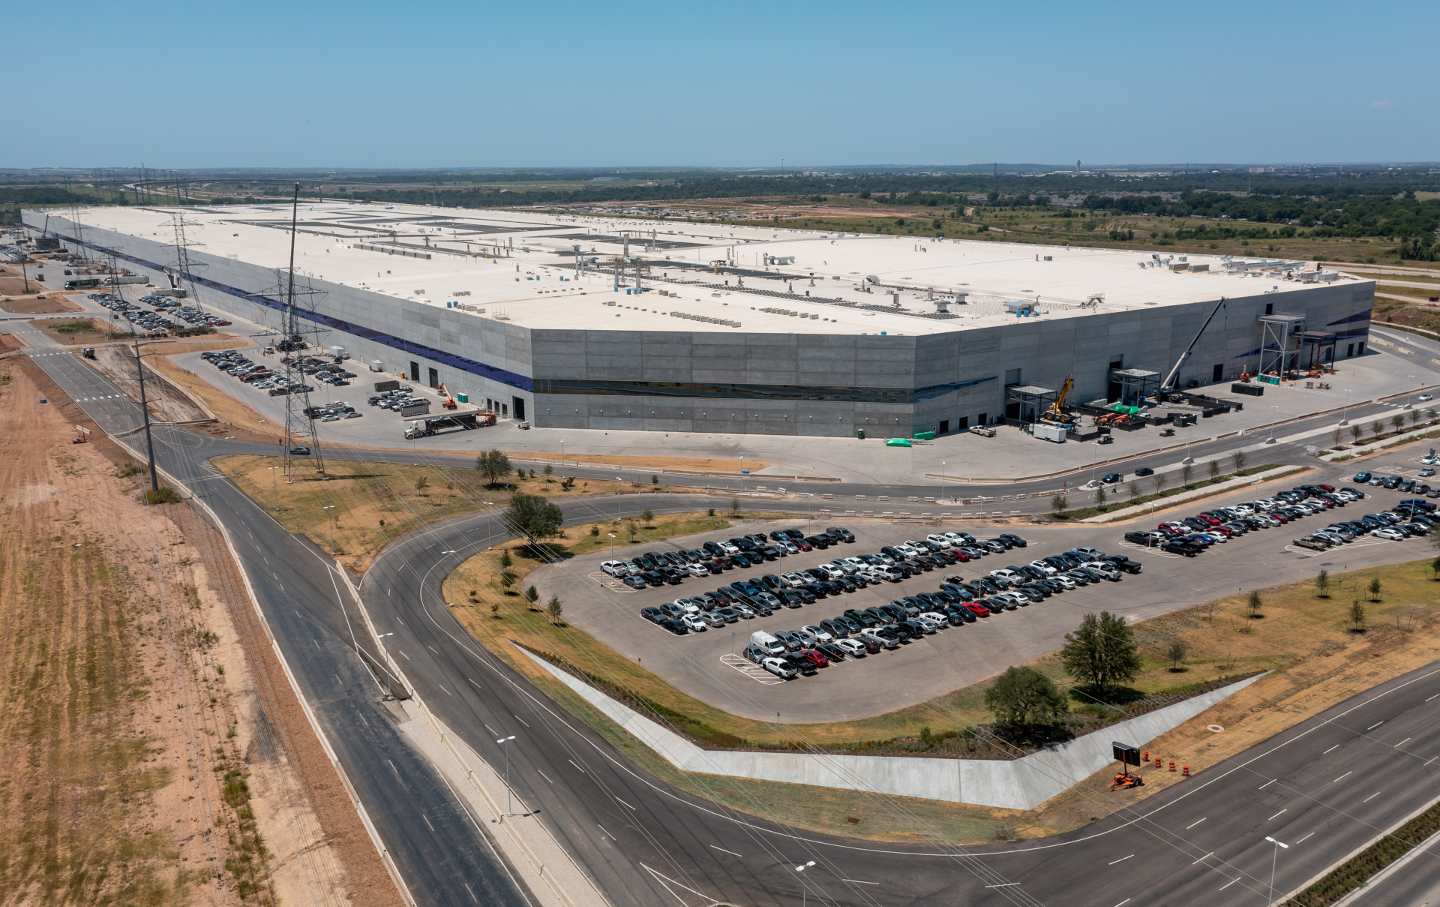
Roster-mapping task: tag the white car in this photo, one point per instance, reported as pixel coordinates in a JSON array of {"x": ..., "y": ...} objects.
[
  {"x": 1044, "y": 568},
  {"x": 906, "y": 549},
  {"x": 794, "y": 580},
  {"x": 729, "y": 548},
  {"x": 696, "y": 570},
  {"x": 1385, "y": 532},
  {"x": 820, "y": 633},
  {"x": 874, "y": 633},
  {"x": 954, "y": 538},
  {"x": 853, "y": 647},
  {"x": 616, "y": 569},
  {"x": 690, "y": 605},
  {"x": 695, "y": 624},
  {"x": 940, "y": 539},
  {"x": 1064, "y": 581},
  {"x": 831, "y": 571},
  {"x": 778, "y": 668},
  {"x": 939, "y": 620}
]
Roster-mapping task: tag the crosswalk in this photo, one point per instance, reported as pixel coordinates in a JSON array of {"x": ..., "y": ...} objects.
[{"x": 101, "y": 397}]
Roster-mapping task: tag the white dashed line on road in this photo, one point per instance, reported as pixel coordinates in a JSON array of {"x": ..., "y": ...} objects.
[
  {"x": 1307, "y": 837},
  {"x": 723, "y": 850},
  {"x": 1403, "y": 742},
  {"x": 1373, "y": 726},
  {"x": 427, "y": 823},
  {"x": 545, "y": 776},
  {"x": 1204, "y": 858},
  {"x": 1228, "y": 884},
  {"x": 1342, "y": 777},
  {"x": 1121, "y": 860},
  {"x": 1372, "y": 797},
  {"x": 1196, "y": 822},
  {"x": 1267, "y": 783},
  {"x": 577, "y": 766},
  {"x": 1278, "y": 815},
  {"x": 1331, "y": 750}
]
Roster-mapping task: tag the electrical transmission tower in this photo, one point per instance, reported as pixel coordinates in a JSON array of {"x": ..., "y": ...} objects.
[
  {"x": 184, "y": 276},
  {"x": 299, "y": 421}
]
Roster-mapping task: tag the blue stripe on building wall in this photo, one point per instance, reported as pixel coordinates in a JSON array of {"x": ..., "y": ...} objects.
[{"x": 501, "y": 375}]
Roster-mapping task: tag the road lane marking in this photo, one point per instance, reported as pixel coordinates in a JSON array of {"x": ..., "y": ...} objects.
[
  {"x": 521, "y": 720},
  {"x": 1121, "y": 860},
  {"x": 393, "y": 768},
  {"x": 1229, "y": 883},
  {"x": 1373, "y": 726},
  {"x": 545, "y": 776},
  {"x": 1306, "y": 838},
  {"x": 863, "y": 882},
  {"x": 402, "y": 654},
  {"x": 427, "y": 823},
  {"x": 1124, "y": 902},
  {"x": 1372, "y": 797},
  {"x": 1196, "y": 822},
  {"x": 1430, "y": 760},
  {"x": 1279, "y": 814},
  {"x": 1428, "y": 698},
  {"x": 723, "y": 850},
  {"x": 577, "y": 766},
  {"x": 1204, "y": 858},
  {"x": 1331, "y": 750},
  {"x": 606, "y": 833},
  {"x": 1267, "y": 783},
  {"x": 1342, "y": 777},
  {"x": 1003, "y": 885},
  {"x": 492, "y": 731},
  {"x": 432, "y": 650},
  {"x": 624, "y": 804},
  {"x": 471, "y": 892},
  {"x": 1403, "y": 742},
  {"x": 446, "y": 691}
]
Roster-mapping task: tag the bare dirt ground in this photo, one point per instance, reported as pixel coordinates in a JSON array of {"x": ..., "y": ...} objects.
[
  {"x": 35, "y": 305},
  {"x": 90, "y": 331},
  {"x": 9, "y": 343},
  {"x": 151, "y": 755},
  {"x": 235, "y": 414}
]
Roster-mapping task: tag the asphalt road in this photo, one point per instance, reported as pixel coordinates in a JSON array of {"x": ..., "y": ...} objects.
[{"x": 1323, "y": 788}]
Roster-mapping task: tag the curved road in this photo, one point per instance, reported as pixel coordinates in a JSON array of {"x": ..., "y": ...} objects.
[{"x": 645, "y": 843}]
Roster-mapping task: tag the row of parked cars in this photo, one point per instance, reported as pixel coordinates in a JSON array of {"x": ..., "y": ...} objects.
[
  {"x": 326, "y": 371},
  {"x": 190, "y": 314},
  {"x": 660, "y": 568},
  {"x": 146, "y": 321},
  {"x": 1409, "y": 519},
  {"x": 1402, "y": 484},
  {"x": 260, "y": 377},
  {"x": 395, "y": 399},
  {"x": 1192, "y": 535},
  {"x": 764, "y": 595},
  {"x": 859, "y": 633}
]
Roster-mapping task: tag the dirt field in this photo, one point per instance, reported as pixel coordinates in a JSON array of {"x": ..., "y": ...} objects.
[
  {"x": 226, "y": 408},
  {"x": 77, "y": 332},
  {"x": 9, "y": 343},
  {"x": 37, "y": 305},
  {"x": 150, "y": 756}
]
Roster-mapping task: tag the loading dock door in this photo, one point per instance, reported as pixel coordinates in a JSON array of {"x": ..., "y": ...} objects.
[
  {"x": 414, "y": 371},
  {"x": 1217, "y": 374},
  {"x": 519, "y": 406},
  {"x": 434, "y": 377}
]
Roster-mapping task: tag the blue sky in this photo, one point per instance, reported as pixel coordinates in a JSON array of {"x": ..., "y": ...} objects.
[{"x": 620, "y": 83}]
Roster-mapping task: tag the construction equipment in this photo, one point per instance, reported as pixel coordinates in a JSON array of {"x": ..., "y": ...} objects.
[
  {"x": 88, "y": 352},
  {"x": 1056, "y": 412},
  {"x": 447, "y": 399},
  {"x": 1169, "y": 382},
  {"x": 82, "y": 435}
]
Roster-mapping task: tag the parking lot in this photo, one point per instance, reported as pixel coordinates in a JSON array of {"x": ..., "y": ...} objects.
[{"x": 710, "y": 664}]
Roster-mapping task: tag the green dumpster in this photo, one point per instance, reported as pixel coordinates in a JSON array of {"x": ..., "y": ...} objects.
[
  {"x": 924, "y": 436},
  {"x": 897, "y": 442},
  {"x": 860, "y": 433}
]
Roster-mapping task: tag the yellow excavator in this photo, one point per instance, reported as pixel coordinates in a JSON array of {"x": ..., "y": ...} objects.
[{"x": 1056, "y": 412}]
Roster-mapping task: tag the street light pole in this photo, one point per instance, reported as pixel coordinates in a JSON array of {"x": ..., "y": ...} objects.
[
  {"x": 804, "y": 892},
  {"x": 145, "y": 410},
  {"x": 502, "y": 741},
  {"x": 1274, "y": 859}
]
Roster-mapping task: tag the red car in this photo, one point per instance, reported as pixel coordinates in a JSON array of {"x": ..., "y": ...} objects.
[
  {"x": 815, "y": 658},
  {"x": 960, "y": 556},
  {"x": 977, "y": 609}
]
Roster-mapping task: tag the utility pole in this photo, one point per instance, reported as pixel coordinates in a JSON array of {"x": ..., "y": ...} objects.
[
  {"x": 25, "y": 275},
  {"x": 145, "y": 411}
]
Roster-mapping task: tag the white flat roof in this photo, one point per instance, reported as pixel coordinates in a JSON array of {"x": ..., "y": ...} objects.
[{"x": 520, "y": 266}]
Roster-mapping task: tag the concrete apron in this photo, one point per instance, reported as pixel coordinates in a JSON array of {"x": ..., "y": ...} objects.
[{"x": 1008, "y": 784}]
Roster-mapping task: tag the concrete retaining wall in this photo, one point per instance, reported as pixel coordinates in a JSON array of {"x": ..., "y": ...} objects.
[{"x": 1012, "y": 784}]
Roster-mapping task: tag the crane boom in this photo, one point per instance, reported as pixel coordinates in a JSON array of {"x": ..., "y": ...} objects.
[{"x": 1169, "y": 381}]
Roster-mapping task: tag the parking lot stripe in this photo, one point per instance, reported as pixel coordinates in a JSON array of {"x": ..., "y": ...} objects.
[{"x": 723, "y": 850}]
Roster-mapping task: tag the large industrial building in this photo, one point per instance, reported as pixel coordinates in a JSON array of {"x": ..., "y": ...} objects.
[{"x": 611, "y": 323}]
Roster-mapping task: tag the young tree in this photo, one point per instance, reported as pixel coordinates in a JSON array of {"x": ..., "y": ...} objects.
[
  {"x": 594, "y": 532},
  {"x": 1375, "y": 588},
  {"x": 654, "y": 479},
  {"x": 507, "y": 579},
  {"x": 1355, "y": 432},
  {"x": 1357, "y": 616},
  {"x": 534, "y": 517},
  {"x": 647, "y": 518},
  {"x": 494, "y": 465},
  {"x": 532, "y": 595},
  {"x": 506, "y": 561},
  {"x": 1100, "y": 496},
  {"x": 1254, "y": 604},
  {"x": 1158, "y": 480},
  {"x": 549, "y": 470},
  {"x": 1186, "y": 470},
  {"x": 1238, "y": 458},
  {"x": 554, "y": 609},
  {"x": 421, "y": 483},
  {"x": 1101, "y": 652},
  {"x": 495, "y": 608},
  {"x": 1023, "y": 696},
  {"x": 1214, "y": 470},
  {"x": 734, "y": 506},
  {"x": 1176, "y": 654},
  {"x": 1059, "y": 503},
  {"x": 1435, "y": 567},
  {"x": 1322, "y": 584}
]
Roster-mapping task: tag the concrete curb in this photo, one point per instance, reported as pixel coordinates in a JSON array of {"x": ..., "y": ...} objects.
[
  {"x": 1356, "y": 852},
  {"x": 1022, "y": 783}
]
